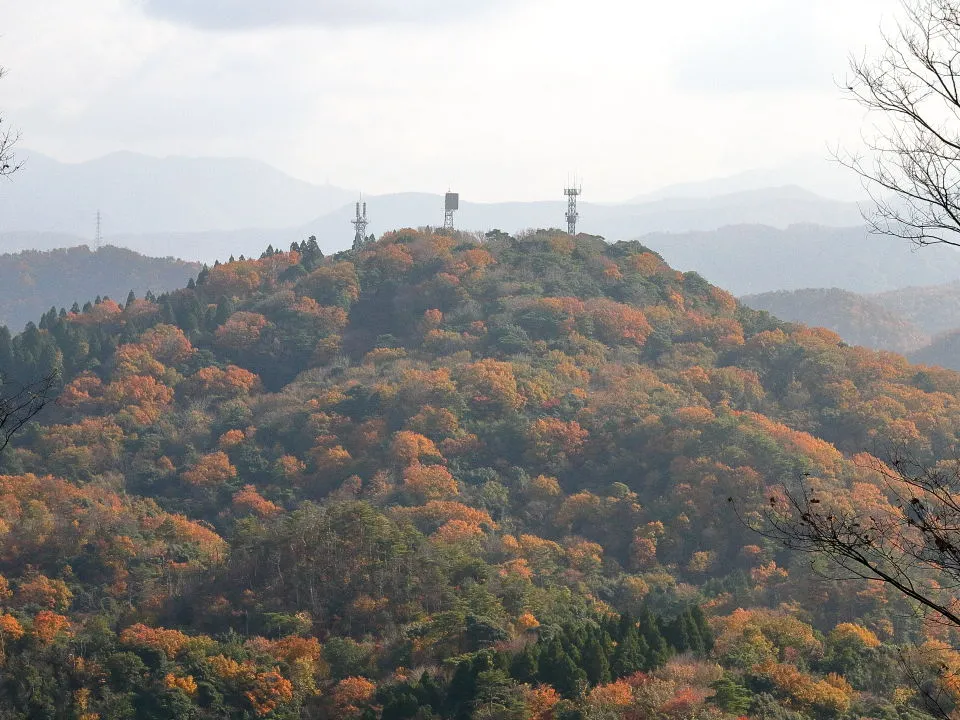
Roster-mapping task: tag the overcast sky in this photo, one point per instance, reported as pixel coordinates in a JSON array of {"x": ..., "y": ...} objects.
[{"x": 499, "y": 99}]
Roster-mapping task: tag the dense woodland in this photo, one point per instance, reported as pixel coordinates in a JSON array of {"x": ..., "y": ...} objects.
[
  {"x": 923, "y": 322},
  {"x": 449, "y": 477},
  {"x": 30, "y": 282},
  {"x": 859, "y": 319}
]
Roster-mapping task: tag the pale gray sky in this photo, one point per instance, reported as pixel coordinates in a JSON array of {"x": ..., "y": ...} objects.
[{"x": 499, "y": 99}]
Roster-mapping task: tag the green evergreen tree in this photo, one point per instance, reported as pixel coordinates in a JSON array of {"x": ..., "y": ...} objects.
[
  {"x": 595, "y": 662},
  {"x": 525, "y": 665},
  {"x": 731, "y": 697},
  {"x": 429, "y": 692},
  {"x": 703, "y": 628},
  {"x": 558, "y": 669},
  {"x": 650, "y": 629},
  {"x": 631, "y": 655},
  {"x": 6, "y": 352}
]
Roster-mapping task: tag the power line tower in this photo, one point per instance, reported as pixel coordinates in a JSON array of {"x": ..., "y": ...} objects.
[
  {"x": 451, "y": 204},
  {"x": 98, "y": 240},
  {"x": 572, "y": 193},
  {"x": 360, "y": 225}
]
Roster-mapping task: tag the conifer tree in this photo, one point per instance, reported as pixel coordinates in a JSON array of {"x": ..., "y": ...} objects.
[
  {"x": 558, "y": 669},
  {"x": 595, "y": 663},
  {"x": 632, "y": 654},
  {"x": 525, "y": 665}
]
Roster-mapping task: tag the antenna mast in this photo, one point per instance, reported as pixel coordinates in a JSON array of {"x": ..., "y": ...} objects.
[
  {"x": 98, "y": 240},
  {"x": 360, "y": 225},
  {"x": 451, "y": 203},
  {"x": 572, "y": 192}
]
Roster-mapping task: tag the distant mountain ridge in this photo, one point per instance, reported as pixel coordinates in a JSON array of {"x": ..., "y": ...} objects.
[
  {"x": 858, "y": 319},
  {"x": 776, "y": 207},
  {"x": 248, "y": 229},
  {"x": 749, "y": 259},
  {"x": 33, "y": 282},
  {"x": 138, "y": 193},
  {"x": 921, "y": 322}
]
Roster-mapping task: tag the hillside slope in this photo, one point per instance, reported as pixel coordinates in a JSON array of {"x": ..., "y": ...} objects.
[
  {"x": 858, "y": 319},
  {"x": 32, "y": 282},
  {"x": 934, "y": 308},
  {"x": 439, "y": 478},
  {"x": 943, "y": 350}
]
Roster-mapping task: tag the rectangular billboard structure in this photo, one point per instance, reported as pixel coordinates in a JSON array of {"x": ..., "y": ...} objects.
[{"x": 452, "y": 201}]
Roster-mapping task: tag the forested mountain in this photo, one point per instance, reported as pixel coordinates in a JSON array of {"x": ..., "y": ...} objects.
[
  {"x": 923, "y": 322},
  {"x": 858, "y": 319},
  {"x": 943, "y": 350},
  {"x": 750, "y": 259},
  {"x": 934, "y": 308},
  {"x": 32, "y": 282},
  {"x": 437, "y": 478}
]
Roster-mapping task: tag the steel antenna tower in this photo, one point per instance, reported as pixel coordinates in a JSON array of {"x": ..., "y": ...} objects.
[
  {"x": 360, "y": 223},
  {"x": 572, "y": 192},
  {"x": 451, "y": 203},
  {"x": 98, "y": 240}
]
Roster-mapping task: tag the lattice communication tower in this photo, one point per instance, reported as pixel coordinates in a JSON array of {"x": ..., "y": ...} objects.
[
  {"x": 98, "y": 240},
  {"x": 572, "y": 192},
  {"x": 360, "y": 225},
  {"x": 451, "y": 204}
]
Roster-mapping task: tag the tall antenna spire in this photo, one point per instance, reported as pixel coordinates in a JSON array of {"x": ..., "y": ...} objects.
[
  {"x": 98, "y": 240},
  {"x": 572, "y": 191},
  {"x": 360, "y": 225}
]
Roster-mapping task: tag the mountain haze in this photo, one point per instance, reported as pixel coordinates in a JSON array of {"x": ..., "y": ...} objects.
[
  {"x": 749, "y": 259},
  {"x": 194, "y": 207},
  {"x": 934, "y": 308},
  {"x": 140, "y": 194},
  {"x": 858, "y": 319},
  {"x": 923, "y": 322},
  {"x": 207, "y": 209},
  {"x": 775, "y": 207},
  {"x": 32, "y": 282}
]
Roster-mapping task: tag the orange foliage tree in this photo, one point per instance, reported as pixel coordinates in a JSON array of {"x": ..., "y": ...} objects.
[{"x": 211, "y": 470}]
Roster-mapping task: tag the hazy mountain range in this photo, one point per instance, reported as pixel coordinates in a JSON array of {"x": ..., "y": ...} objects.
[
  {"x": 858, "y": 319},
  {"x": 32, "y": 282},
  {"x": 922, "y": 322},
  {"x": 750, "y": 241},
  {"x": 209, "y": 208},
  {"x": 139, "y": 194},
  {"x": 750, "y": 259}
]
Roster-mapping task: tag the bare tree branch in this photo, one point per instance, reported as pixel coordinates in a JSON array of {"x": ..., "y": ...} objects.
[
  {"x": 911, "y": 89},
  {"x": 20, "y": 406},
  {"x": 8, "y": 138}
]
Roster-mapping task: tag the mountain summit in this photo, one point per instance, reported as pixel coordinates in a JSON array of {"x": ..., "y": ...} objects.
[{"x": 437, "y": 477}]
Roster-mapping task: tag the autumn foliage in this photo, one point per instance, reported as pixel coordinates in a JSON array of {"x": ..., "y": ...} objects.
[{"x": 443, "y": 476}]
